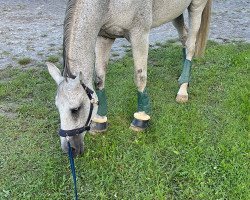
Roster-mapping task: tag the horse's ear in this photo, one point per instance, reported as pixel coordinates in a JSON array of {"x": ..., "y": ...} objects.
[{"x": 55, "y": 73}]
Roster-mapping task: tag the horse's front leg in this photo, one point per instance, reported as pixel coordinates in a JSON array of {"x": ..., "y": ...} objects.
[
  {"x": 140, "y": 43},
  {"x": 103, "y": 47}
]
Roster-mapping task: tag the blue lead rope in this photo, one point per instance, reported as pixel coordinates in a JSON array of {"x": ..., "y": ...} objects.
[
  {"x": 73, "y": 170},
  {"x": 74, "y": 132}
]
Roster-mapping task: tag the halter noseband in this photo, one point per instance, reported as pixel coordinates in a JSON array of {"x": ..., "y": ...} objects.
[{"x": 86, "y": 127}]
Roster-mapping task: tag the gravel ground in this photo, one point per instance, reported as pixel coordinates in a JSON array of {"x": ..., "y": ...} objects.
[{"x": 33, "y": 28}]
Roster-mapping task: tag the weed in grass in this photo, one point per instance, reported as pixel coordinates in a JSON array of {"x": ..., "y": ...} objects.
[
  {"x": 128, "y": 50},
  {"x": 9, "y": 66},
  {"x": 53, "y": 59},
  {"x": 52, "y": 49},
  {"x": 158, "y": 44},
  {"x": 40, "y": 53},
  {"x": 6, "y": 53},
  {"x": 171, "y": 41},
  {"x": 24, "y": 61},
  {"x": 115, "y": 54},
  {"x": 30, "y": 48}
]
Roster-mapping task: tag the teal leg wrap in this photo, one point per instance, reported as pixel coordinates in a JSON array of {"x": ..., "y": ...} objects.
[
  {"x": 143, "y": 102},
  {"x": 102, "y": 102},
  {"x": 186, "y": 72}
]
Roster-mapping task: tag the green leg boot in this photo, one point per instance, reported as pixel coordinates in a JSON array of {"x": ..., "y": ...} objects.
[
  {"x": 99, "y": 124},
  {"x": 141, "y": 117}
]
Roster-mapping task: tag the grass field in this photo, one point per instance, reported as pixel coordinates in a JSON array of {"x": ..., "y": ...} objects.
[{"x": 199, "y": 150}]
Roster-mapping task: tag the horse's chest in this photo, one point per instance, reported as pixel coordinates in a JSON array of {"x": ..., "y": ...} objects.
[{"x": 143, "y": 14}]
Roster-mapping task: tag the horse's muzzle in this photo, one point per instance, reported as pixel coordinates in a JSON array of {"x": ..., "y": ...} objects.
[{"x": 77, "y": 146}]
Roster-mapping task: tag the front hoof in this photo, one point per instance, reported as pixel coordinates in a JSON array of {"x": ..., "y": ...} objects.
[
  {"x": 139, "y": 125},
  {"x": 96, "y": 127},
  {"x": 181, "y": 98}
]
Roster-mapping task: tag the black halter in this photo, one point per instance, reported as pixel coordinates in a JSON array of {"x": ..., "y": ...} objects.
[{"x": 86, "y": 127}]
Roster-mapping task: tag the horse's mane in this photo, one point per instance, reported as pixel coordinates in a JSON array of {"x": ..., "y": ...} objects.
[{"x": 69, "y": 17}]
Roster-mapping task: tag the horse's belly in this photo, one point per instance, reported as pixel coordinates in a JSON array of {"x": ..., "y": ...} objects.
[
  {"x": 123, "y": 16},
  {"x": 119, "y": 19},
  {"x": 166, "y": 10}
]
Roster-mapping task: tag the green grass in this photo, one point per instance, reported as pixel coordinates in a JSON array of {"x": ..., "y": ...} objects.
[
  {"x": 53, "y": 59},
  {"x": 24, "y": 61},
  {"x": 199, "y": 150}
]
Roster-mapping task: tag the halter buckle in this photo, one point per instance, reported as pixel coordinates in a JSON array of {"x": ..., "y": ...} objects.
[{"x": 67, "y": 138}]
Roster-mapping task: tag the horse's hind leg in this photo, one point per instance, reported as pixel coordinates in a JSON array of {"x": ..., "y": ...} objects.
[
  {"x": 140, "y": 43},
  {"x": 195, "y": 12},
  {"x": 103, "y": 47},
  {"x": 179, "y": 24},
  {"x": 181, "y": 28}
]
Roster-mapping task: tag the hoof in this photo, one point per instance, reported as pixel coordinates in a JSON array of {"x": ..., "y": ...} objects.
[
  {"x": 181, "y": 98},
  {"x": 96, "y": 127},
  {"x": 139, "y": 125}
]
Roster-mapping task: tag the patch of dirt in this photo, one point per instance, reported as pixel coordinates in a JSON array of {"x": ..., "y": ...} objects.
[
  {"x": 33, "y": 28},
  {"x": 8, "y": 110}
]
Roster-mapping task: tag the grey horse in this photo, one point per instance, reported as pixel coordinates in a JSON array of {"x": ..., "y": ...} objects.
[{"x": 90, "y": 29}]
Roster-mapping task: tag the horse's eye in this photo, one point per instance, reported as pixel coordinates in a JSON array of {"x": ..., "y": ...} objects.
[{"x": 75, "y": 110}]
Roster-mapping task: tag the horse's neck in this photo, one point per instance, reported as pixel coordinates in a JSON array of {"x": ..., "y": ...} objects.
[{"x": 81, "y": 27}]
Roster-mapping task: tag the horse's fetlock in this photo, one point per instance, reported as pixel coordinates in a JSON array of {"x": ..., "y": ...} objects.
[
  {"x": 186, "y": 72},
  {"x": 143, "y": 79},
  {"x": 143, "y": 102}
]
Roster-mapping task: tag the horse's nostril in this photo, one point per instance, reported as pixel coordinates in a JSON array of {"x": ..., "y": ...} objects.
[{"x": 74, "y": 152}]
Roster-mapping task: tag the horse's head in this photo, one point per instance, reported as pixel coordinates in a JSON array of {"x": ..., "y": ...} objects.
[{"x": 73, "y": 105}]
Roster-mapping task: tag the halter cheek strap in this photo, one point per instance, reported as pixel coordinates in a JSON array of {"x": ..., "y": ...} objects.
[{"x": 86, "y": 127}]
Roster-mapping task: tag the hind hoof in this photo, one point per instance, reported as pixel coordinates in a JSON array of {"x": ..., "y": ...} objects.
[
  {"x": 139, "y": 125},
  {"x": 181, "y": 98}
]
